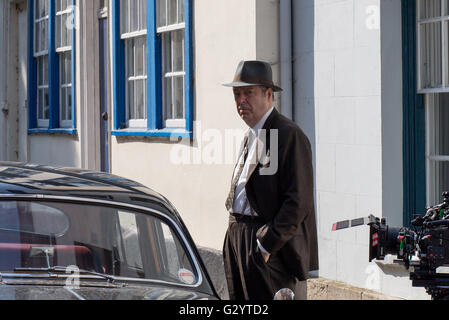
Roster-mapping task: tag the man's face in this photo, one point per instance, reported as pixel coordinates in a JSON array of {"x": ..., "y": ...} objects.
[{"x": 252, "y": 103}]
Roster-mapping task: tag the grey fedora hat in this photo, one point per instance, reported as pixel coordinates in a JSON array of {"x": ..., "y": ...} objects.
[{"x": 253, "y": 73}]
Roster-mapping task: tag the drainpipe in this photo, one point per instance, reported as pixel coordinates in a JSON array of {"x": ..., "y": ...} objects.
[
  {"x": 4, "y": 6},
  {"x": 286, "y": 58}
]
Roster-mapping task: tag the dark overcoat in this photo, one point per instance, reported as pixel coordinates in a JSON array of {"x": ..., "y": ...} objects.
[{"x": 282, "y": 194}]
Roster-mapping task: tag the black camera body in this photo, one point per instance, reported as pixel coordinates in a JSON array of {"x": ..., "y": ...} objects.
[{"x": 421, "y": 249}]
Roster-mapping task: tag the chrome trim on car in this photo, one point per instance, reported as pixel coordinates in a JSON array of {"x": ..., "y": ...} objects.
[{"x": 42, "y": 197}]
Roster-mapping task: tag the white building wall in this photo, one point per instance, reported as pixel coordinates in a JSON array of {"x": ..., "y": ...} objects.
[
  {"x": 8, "y": 81},
  {"x": 348, "y": 100}
]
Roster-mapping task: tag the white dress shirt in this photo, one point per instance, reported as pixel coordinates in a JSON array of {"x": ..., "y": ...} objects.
[{"x": 241, "y": 203}]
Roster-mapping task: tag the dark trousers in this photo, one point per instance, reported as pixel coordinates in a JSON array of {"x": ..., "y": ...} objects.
[{"x": 248, "y": 276}]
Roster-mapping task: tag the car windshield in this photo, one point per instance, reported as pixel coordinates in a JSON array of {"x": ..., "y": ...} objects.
[{"x": 101, "y": 239}]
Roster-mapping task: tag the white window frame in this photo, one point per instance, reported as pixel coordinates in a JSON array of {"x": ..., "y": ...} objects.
[
  {"x": 134, "y": 123},
  {"x": 432, "y": 175},
  {"x": 44, "y": 122},
  {"x": 61, "y": 51},
  {"x": 444, "y": 20},
  {"x": 167, "y": 28},
  {"x": 62, "y": 86},
  {"x": 432, "y": 140}
]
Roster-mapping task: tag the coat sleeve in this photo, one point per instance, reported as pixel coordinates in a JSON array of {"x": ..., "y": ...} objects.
[{"x": 296, "y": 190}]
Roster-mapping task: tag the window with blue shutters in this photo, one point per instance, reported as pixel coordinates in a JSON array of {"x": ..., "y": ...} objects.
[
  {"x": 152, "y": 68},
  {"x": 51, "y": 65}
]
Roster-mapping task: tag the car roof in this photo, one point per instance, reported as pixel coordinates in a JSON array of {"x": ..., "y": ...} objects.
[{"x": 31, "y": 179}]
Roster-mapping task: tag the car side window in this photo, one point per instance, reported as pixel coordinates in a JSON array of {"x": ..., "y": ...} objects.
[
  {"x": 179, "y": 266},
  {"x": 129, "y": 234}
]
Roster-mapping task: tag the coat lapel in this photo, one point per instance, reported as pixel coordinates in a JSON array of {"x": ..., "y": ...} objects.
[{"x": 261, "y": 143}]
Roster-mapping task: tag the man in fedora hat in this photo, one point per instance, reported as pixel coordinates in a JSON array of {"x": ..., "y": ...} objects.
[{"x": 271, "y": 241}]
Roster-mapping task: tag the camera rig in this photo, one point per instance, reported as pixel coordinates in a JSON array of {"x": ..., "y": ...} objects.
[{"x": 422, "y": 249}]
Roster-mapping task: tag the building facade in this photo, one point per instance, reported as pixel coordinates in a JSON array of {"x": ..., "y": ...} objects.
[{"x": 135, "y": 88}]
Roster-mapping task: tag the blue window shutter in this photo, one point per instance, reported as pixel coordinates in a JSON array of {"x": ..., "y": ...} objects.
[
  {"x": 154, "y": 60},
  {"x": 189, "y": 67},
  {"x": 53, "y": 68},
  {"x": 73, "y": 67},
  {"x": 32, "y": 72},
  {"x": 118, "y": 76},
  {"x": 414, "y": 137}
]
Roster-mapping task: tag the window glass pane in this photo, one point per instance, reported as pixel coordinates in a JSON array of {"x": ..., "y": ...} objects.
[
  {"x": 68, "y": 67},
  {"x": 181, "y": 9},
  {"x": 58, "y": 31},
  {"x": 140, "y": 46},
  {"x": 36, "y": 38},
  {"x": 63, "y": 104},
  {"x": 439, "y": 171},
  {"x": 65, "y": 33},
  {"x": 43, "y": 8},
  {"x": 431, "y": 58},
  {"x": 440, "y": 125},
  {"x": 40, "y": 104},
  {"x": 161, "y": 13},
  {"x": 130, "y": 57},
  {"x": 62, "y": 76},
  {"x": 133, "y": 15},
  {"x": 134, "y": 10},
  {"x": 124, "y": 15},
  {"x": 446, "y": 8},
  {"x": 46, "y": 105},
  {"x": 69, "y": 103},
  {"x": 45, "y": 69},
  {"x": 430, "y": 9},
  {"x": 168, "y": 106},
  {"x": 172, "y": 12},
  {"x": 65, "y": 70},
  {"x": 143, "y": 14},
  {"x": 69, "y": 32},
  {"x": 139, "y": 99},
  {"x": 178, "y": 50},
  {"x": 44, "y": 36},
  {"x": 179, "y": 97},
  {"x": 131, "y": 102},
  {"x": 167, "y": 52},
  {"x": 41, "y": 40},
  {"x": 40, "y": 73}
]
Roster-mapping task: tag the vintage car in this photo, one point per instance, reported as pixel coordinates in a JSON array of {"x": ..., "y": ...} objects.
[{"x": 68, "y": 233}]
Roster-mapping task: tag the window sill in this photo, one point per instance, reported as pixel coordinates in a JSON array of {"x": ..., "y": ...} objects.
[
  {"x": 168, "y": 133},
  {"x": 70, "y": 131}
]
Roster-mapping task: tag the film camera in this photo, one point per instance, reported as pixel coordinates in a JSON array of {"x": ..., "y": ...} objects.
[{"x": 422, "y": 249}]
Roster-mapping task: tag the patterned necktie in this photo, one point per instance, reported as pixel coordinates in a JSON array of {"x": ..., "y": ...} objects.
[{"x": 230, "y": 200}]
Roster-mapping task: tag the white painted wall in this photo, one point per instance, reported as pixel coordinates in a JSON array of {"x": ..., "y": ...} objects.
[
  {"x": 8, "y": 81},
  {"x": 348, "y": 78},
  {"x": 22, "y": 87},
  {"x": 348, "y": 143}
]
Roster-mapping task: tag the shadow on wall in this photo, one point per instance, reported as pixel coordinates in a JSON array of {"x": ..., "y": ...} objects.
[{"x": 303, "y": 65}]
